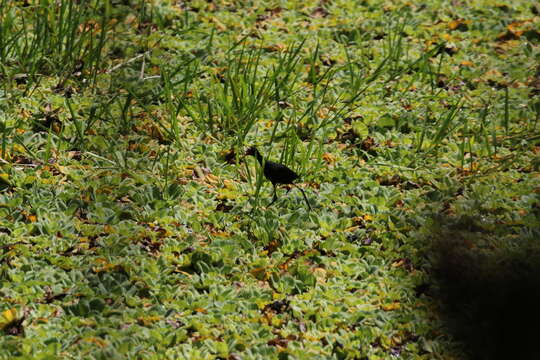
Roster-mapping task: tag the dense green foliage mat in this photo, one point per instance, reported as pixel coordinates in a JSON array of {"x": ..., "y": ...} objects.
[{"x": 132, "y": 226}]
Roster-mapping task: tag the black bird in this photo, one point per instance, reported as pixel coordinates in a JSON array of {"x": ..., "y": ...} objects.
[{"x": 276, "y": 173}]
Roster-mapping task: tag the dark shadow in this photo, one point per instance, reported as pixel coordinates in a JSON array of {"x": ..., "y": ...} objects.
[{"x": 487, "y": 279}]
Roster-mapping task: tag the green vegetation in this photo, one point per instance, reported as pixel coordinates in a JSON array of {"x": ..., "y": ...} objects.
[{"x": 132, "y": 226}]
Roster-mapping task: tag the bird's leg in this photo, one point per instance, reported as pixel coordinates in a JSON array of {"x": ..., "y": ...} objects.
[
  {"x": 274, "y": 198},
  {"x": 305, "y": 197}
]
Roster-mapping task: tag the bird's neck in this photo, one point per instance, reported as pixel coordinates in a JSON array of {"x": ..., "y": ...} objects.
[{"x": 258, "y": 156}]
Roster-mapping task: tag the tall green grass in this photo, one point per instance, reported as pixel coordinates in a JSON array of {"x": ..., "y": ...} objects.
[{"x": 53, "y": 37}]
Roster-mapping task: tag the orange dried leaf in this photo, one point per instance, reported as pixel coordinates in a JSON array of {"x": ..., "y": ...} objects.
[
  {"x": 104, "y": 268},
  {"x": 219, "y": 25},
  {"x": 96, "y": 341},
  {"x": 329, "y": 158},
  {"x": 459, "y": 24},
  {"x": 211, "y": 178},
  {"x": 514, "y": 27},
  {"x": 275, "y": 47},
  {"x": 257, "y": 272},
  {"x": 228, "y": 184},
  {"x": 454, "y": 24},
  {"x": 320, "y": 274},
  {"x": 446, "y": 37},
  {"x": 148, "y": 320},
  {"x": 392, "y": 306},
  {"x": 398, "y": 263}
]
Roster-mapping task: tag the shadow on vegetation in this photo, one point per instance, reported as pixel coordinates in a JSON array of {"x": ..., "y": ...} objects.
[{"x": 487, "y": 279}]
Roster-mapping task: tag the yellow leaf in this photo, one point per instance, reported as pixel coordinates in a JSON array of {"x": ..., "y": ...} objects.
[
  {"x": 275, "y": 321},
  {"x": 8, "y": 317},
  {"x": 10, "y": 314},
  {"x": 183, "y": 273},
  {"x": 105, "y": 265},
  {"x": 18, "y": 148},
  {"x": 56, "y": 128},
  {"x": 392, "y": 306},
  {"x": 459, "y": 24},
  {"x": 221, "y": 233},
  {"x": 225, "y": 193},
  {"x": 258, "y": 272},
  {"x": 454, "y": 24},
  {"x": 99, "y": 342},
  {"x": 87, "y": 322},
  {"x": 228, "y": 184},
  {"x": 323, "y": 113},
  {"x": 62, "y": 169},
  {"x": 309, "y": 337},
  {"x": 398, "y": 263},
  {"x": 148, "y": 320},
  {"x": 213, "y": 179}
]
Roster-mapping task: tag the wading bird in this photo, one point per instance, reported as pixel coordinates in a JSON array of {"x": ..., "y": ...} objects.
[{"x": 276, "y": 173}]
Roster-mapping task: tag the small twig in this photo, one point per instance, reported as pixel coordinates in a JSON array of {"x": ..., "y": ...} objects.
[
  {"x": 99, "y": 157},
  {"x": 118, "y": 66},
  {"x": 141, "y": 75},
  {"x": 396, "y": 166},
  {"x": 13, "y": 244},
  {"x": 21, "y": 166}
]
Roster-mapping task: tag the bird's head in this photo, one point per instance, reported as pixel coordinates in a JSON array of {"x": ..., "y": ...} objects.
[{"x": 252, "y": 150}]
